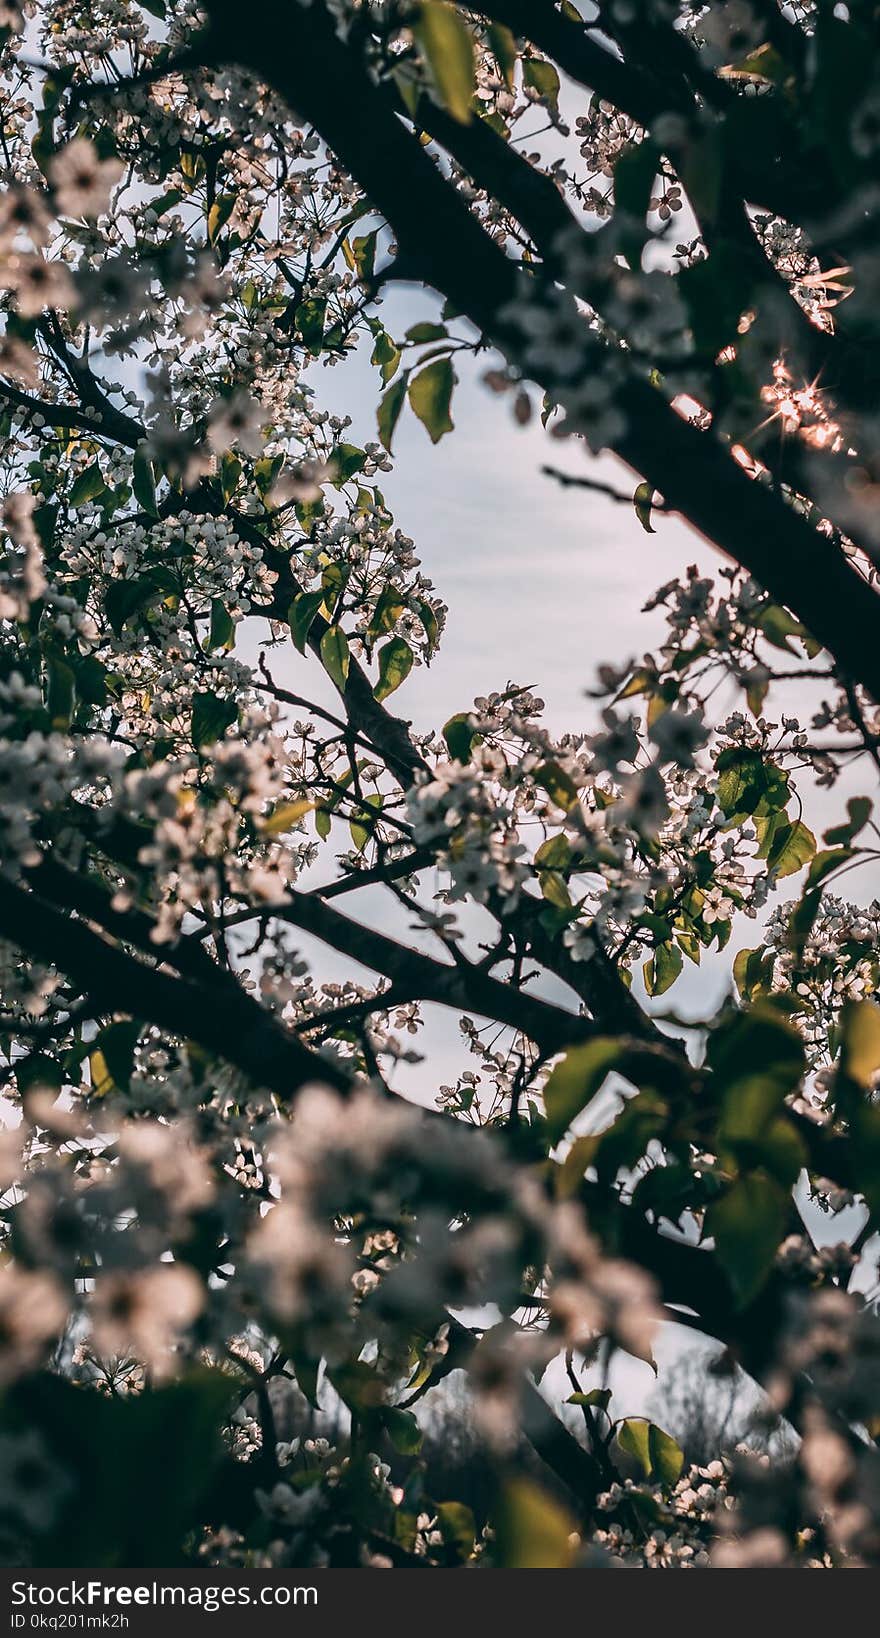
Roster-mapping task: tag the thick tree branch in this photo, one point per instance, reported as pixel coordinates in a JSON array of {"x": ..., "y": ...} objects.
[
  {"x": 442, "y": 243},
  {"x": 232, "y": 1025}
]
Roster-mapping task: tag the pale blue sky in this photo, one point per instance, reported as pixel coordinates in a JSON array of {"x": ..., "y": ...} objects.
[{"x": 543, "y": 583}]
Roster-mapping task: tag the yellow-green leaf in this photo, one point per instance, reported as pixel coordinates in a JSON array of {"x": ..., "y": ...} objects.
[
  {"x": 656, "y": 1452},
  {"x": 222, "y": 631},
  {"x": 143, "y": 482},
  {"x": 390, "y": 406},
  {"x": 642, "y": 501},
  {"x": 301, "y": 614},
  {"x": 430, "y": 396},
  {"x": 503, "y": 44},
  {"x": 542, "y": 77},
  {"x": 859, "y": 809},
  {"x": 663, "y": 968},
  {"x": 533, "y": 1530},
  {"x": 860, "y": 1028},
  {"x": 576, "y": 1080},
  {"x": 286, "y": 815},
  {"x": 792, "y": 847},
  {"x": 448, "y": 46},
  {"x": 334, "y": 655},
  {"x": 88, "y": 486},
  {"x": 395, "y": 664}
]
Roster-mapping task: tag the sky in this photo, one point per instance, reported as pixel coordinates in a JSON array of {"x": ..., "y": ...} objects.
[{"x": 543, "y": 583}]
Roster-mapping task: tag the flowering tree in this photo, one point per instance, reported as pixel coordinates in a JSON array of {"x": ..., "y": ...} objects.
[{"x": 218, "y": 1199}]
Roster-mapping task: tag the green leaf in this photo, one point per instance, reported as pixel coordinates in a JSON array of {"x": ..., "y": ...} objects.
[
  {"x": 395, "y": 665},
  {"x": 779, "y": 626},
  {"x": 580, "y": 1155},
  {"x": 503, "y": 44},
  {"x": 420, "y": 334},
  {"x": 747, "y": 784},
  {"x": 117, "y": 1043},
  {"x": 143, "y": 482},
  {"x": 758, "y": 1060},
  {"x": 307, "y": 1371},
  {"x": 555, "y": 853},
  {"x": 211, "y": 717},
  {"x": 757, "y": 684},
  {"x": 554, "y": 890},
  {"x": 385, "y": 355},
  {"x": 360, "y": 834},
  {"x": 596, "y": 1396},
  {"x": 747, "y": 1224},
  {"x": 402, "y": 1429},
  {"x": 123, "y": 598},
  {"x": 60, "y": 691},
  {"x": 634, "y": 175},
  {"x": 334, "y": 581},
  {"x": 359, "y": 1385},
  {"x": 363, "y": 251},
  {"x": 557, "y": 783},
  {"x": 459, "y": 736},
  {"x": 755, "y": 1043},
  {"x": 576, "y": 1080},
  {"x": 88, "y": 486},
  {"x": 286, "y": 815},
  {"x": 230, "y": 474},
  {"x": 542, "y": 77},
  {"x": 801, "y": 922},
  {"x": 389, "y": 608},
  {"x": 643, "y": 500},
  {"x": 45, "y": 519},
  {"x": 663, "y": 968},
  {"x": 309, "y": 320},
  {"x": 448, "y": 46},
  {"x": 430, "y": 395},
  {"x": 782, "y": 1151},
  {"x": 753, "y": 972},
  {"x": 714, "y": 289},
  {"x": 390, "y": 406},
  {"x": 167, "y": 201},
  {"x": 827, "y": 860},
  {"x": 642, "y": 681},
  {"x": 657, "y": 1452},
  {"x": 347, "y": 459},
  {"x": 640, "y": 1121},
  {"x": 429, "y": 622},
  {"x": 859, "y": 809},
  {"x": 860, "y": 1032},
  {"x": 335, "y": 656},
  {"x": 219, "y": 214},
  {"x": 222, "y": 632},
  {"x": 792, "y": 847},
  {"x": 301, "y": 613},
  {"x": 533, "y": 1531},
  {"x": 307, "y": 513}
]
